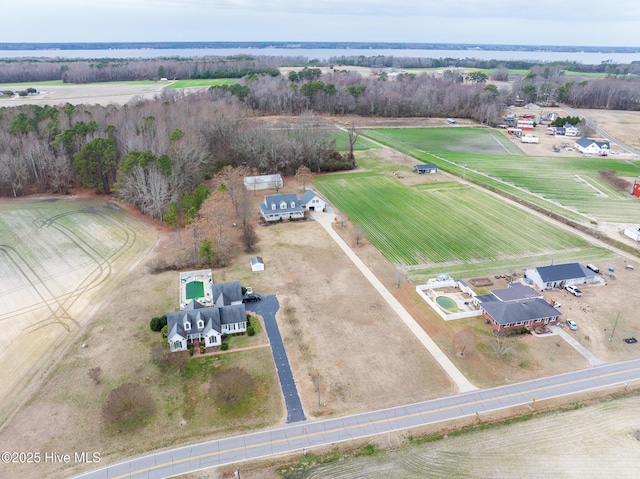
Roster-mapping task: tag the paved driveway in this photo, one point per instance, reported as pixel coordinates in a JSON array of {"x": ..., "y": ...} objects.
[{"x": 267, "y": 308}]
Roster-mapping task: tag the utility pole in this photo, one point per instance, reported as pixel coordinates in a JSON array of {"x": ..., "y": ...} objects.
[{"x": 614, "y": 327}]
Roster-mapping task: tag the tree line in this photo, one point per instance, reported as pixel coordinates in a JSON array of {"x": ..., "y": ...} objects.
[{"x": 153, "y": 152}]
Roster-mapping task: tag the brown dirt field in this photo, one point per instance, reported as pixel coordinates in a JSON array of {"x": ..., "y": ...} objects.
[
  {"x": 623, "y": 125},
  {"x": 93, "y": 94}
]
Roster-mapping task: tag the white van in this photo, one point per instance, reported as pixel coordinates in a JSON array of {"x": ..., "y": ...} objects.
[{"x": 593, "y": 268}]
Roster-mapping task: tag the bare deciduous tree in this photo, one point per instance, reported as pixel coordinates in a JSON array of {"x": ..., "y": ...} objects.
[
  {"x": 464, "y": 342},
  {"x": 358, "y": 234},
  {"x": 303, "y": 176},
  {"x": 128, "y": 402},
  {"x": 401, "y": 276},
  {"x": 500, "y": 345},
  {"x": 249, "y": 237},
  {"x": 95, "y": 374}
]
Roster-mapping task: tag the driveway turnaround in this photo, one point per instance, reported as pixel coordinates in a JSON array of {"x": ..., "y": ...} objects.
[
  {"x": 267, "y": 308},
  {"x": 306, "y": 435}
]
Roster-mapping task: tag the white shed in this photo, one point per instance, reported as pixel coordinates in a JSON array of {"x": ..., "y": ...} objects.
[
  {"x": 257, "y": 264},
  {"x": 633, "y": 233}
]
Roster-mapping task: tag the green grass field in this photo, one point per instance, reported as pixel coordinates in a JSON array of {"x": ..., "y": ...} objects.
[
  {"x": 451, "y": 228},
  {"x": 202, "y": 83},
  {"x": 461, "y": 140},
  {"x": 567, "y": 185}
]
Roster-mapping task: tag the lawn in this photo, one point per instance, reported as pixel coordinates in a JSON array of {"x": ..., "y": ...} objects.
[{"x": 451, "y": 227}]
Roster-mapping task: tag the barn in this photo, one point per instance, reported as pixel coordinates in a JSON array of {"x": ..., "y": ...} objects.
[
  {"x": 429, "y": 168},
  {"x": 263, "y": 182}
]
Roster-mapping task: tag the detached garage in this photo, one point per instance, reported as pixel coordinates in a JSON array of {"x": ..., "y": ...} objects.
[{"x": 257, "y": 264}]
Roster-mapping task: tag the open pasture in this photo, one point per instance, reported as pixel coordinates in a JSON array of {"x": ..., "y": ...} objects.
[
  {"x": 452, "y": 139},
  {"x": 573, "y": 183},
  {"x": 428, "y": 229},
  {"x": 570, "y": 186},
  {"x": 58, "y": 257},
  {"x": 199, "y": 83}
]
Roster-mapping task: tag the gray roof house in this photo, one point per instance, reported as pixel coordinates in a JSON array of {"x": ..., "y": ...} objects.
[
  {"x": 198, "y": 325},
  {"x": 514, "y": 292},
  {"x": 516, "y": 307},
  {"x": 311, "y": 201},
  {"x": 281, "y": 207},
  {"x": 589, "y": 145},
  {"x": 560, "y": 275},
  {"x": 528, "y": 314}
]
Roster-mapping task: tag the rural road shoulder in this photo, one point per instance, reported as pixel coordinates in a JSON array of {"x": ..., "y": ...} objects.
[{"x": 305, "y": 435}]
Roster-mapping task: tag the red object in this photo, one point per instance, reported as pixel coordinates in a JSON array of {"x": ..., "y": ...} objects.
[{"x": 636, "y": 189}]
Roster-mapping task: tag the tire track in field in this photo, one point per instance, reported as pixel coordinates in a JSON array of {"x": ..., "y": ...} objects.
[
  {"x": 104, "y": 264},
  {"x": 59, "y": 305}
]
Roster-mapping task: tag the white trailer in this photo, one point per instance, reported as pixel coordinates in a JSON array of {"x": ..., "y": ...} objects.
[{"x": 529, "y": 139}]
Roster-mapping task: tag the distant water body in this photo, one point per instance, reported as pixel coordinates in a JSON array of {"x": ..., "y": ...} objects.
[{"x": 586, "y": 58}]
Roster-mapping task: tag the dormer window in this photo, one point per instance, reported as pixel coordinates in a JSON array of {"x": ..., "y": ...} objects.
[
  {"x": 187, "y": 326},
  {"x": 293, "y": 205},
  {"x": 273, "y": 206},
  {"x": 283, "y": 205},
  {"x": 200, "y": 324}
]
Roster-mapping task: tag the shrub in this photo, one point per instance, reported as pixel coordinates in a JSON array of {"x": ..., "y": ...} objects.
[
  {"x": 224, "y": 346},
  {"x": 190, "y": 350},
  {"x": 202, "y": 349},
  {"x": 156, "y": 324},
  {"x": 165, "y": 331},
  {"x": 232, "y": 385},
  {"x": 251, "y": 331},
  {"x": 129, "y": 403}
]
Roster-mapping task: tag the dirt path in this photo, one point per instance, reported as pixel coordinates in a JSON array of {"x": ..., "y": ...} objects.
[{"x": 463, "y": 384}]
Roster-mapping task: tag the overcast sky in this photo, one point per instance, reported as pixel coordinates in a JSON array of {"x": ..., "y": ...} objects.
[{"x": 542, "y": 22}]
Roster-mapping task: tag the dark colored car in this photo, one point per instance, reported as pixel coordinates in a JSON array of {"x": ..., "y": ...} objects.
[{"x": 248, "y": 298}]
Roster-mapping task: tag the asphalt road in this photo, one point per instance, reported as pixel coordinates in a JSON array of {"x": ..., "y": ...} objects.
[
  {"x": 306, "y": 435},
  {"x": 267, "y": 308}
]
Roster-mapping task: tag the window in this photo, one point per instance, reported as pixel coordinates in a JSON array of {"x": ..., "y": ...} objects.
[
  {"x": 177, "y": 345},
  {"x": 273, "y": 206},
  {"x": 283, "y": 205},
  {"x": 200, "y": 324},
  {"x": 187, "y": 326},
  {"x": 293, "y": 205}
]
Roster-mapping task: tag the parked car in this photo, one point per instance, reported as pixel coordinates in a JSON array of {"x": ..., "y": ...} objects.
[
  {"x": 573, "y": 290},
  {"x": 249, "y": 290},
  {"x": 572, "y": 324},
  {"x": 249, "y": 298}
]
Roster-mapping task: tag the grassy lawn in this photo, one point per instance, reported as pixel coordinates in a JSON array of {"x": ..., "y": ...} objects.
[
  {"x": 342, "y": 142},
  {"x": 452, "y": 226}
]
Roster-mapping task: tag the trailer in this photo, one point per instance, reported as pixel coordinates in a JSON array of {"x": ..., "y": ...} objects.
[{"x": 529, "y": 139}]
